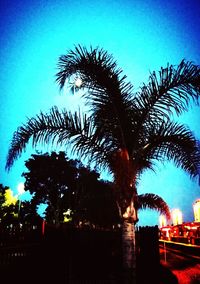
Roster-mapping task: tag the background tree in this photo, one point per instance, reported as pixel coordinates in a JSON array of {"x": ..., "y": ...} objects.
[
  {"x": 123, "y": 131},
  {"x": 65, "y": 184},
  {"x": 28, "y": 214},
  {"x": 50, "y": 178},
  {"x": 8, "y": 206},
  {"x": 94, "y": 200}
]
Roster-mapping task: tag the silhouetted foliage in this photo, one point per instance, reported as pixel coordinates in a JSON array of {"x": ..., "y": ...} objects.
[
  {"x": 28, "y": 213},
  {"x": 94, "y": 200},
  {"x": 50, "y": 178},
  {"x": 65, "y": 184}
]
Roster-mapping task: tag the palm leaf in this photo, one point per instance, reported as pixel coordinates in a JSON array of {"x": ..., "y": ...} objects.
[
  {"x": 53, "y": 128},
  {"x": 155, "y": 202},
  {"x": 171, "y": 90},
  {"x": 63, "y": 128},
  {"x": 174, "y": 142},
  {"x": 109, "y": 94}
]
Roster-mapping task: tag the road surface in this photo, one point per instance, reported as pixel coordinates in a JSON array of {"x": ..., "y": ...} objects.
[{"x": 182, "y": 260}]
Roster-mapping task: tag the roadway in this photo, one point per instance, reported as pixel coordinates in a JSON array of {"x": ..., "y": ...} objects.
[{"x": 183, "y": 260}]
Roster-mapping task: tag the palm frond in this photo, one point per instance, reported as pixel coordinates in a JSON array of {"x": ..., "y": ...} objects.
[
  {"x": 174, "y": 142},
  {"x": 95, "y": 147},
  {"x": 173, "y": 89},
  {"x": 97, "y": 69},
  {"x": 109, "y": 95},
  {"x": 63, "y": 128},
  {"x": 53, "y": 128},
  {"x": 155, "y": 202}
]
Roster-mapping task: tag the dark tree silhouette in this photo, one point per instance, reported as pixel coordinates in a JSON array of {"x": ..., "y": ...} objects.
[
  {"x": 64, "y": 184},
  {"x": 28, "y": 214},
  {"x": 94, "y": 200},
  {"x": 51, "y": 179}
]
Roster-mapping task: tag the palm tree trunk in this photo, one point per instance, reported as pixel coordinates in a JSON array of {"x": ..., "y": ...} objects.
[
  {"x": 129, "y": 244},
  {"x": 128, "y": 251}
]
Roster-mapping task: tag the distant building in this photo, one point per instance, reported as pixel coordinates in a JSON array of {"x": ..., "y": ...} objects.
[{"x": 196, "y": 207}]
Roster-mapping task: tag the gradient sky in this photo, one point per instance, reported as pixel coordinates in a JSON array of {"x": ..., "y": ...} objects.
[{"x": 141, "y": 35}]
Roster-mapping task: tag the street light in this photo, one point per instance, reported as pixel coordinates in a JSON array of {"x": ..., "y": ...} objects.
[
  {"x": 196, "y": 208},
  {"x": 162, "y": 221},
  {"x": 177, "y": 217},
  {"x": 20, "y": 190}
]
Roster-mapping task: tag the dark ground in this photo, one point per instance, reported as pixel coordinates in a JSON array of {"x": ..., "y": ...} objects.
[{"x": 79, "y": 258}]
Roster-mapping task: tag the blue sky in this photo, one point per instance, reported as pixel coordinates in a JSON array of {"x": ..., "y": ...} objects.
[{"x": 141, "y": 35}]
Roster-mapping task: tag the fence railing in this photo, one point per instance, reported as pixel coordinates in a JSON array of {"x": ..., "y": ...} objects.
[
  {"x": 17, "y": 253},
  {"x": 78, "y": 254}
]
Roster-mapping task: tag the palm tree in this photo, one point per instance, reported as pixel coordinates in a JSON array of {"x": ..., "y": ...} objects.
[{"x": 123, "y": 131}]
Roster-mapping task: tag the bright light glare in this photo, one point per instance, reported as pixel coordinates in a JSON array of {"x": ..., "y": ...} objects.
[
  {"x": 177, "y": 217},
  {"x": 162, "y": 221},
  {"x": 78, "y": 82},
  {"x": 20, "y": 188},
  {"x": 196, "y": 207}
]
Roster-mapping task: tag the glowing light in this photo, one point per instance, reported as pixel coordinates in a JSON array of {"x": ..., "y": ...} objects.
[
  {"x": 20, "y": 188},
  {"x": 67, "y": 216},
  {"x": 166, "y": 229},
  {"x": 130, "y": 211},
  {"x": 191, "y": 227},
  {"x": 78, "y": 82},
  {"x": 177, "y": 217},
  {"x": 162, "y": 221},
  {"x": 196, "y": 208}
]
